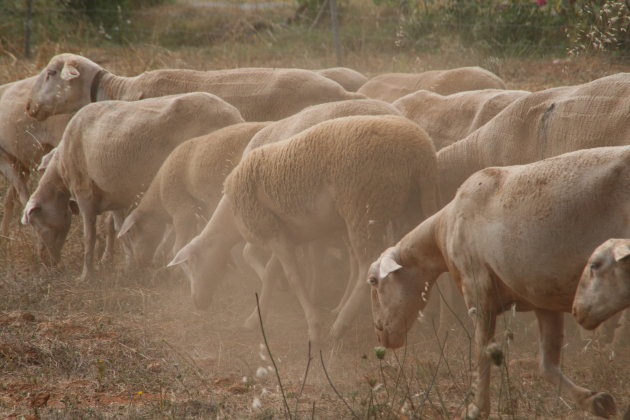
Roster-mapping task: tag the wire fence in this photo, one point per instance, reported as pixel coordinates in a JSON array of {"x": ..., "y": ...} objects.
[{"x": 346, "y": 27}]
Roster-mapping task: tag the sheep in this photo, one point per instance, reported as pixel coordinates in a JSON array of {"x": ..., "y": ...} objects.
[
  {"x": 447, "y": 119},
  {"x": 539, "y": 125},
  {"x": 604, "y": 288},
  {"x": 350, "y": 79},
  {"x": 107, "y": 157},
  {"x": 360, "y": 175},
  {"x": 71, "y": 81},
  {"x": 536, "y": 126},
  {"x": 23, "y": 142},
  {"x": 517, "y": 235},
  {"x": 187, "y": 186},
  {"x": 391, "y": 86},
  {"x": 282, "y": 130}
]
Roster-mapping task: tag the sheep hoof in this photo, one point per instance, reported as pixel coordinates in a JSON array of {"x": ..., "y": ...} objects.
[{"x": 601, "y": 404}]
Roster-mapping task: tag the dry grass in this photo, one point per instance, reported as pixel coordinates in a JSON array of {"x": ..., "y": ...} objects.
[{"x": 122, "y": 347}]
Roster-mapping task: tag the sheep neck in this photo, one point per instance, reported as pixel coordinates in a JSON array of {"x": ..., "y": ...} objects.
[
  {"x": 113, "y": 88},
  {"x": 457, "y": 162}
]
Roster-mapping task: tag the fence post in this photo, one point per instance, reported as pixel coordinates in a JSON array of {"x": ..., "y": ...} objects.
[
  {"x": 27, "y": 28},
  {"x": 335, "y": 29}
]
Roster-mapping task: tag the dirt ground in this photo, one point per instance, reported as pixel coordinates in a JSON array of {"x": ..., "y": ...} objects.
[{"x": 124, "y": 346}]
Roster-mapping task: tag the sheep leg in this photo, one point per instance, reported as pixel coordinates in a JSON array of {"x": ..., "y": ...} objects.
[
  {"x": 257, "y": 258},
  {"x": 349, "y": 311},
  {"x": 622, "y": 332},
  {"x": 551, "y": 328},
  {"x": 485, "y": 324},
  {"x": 269, "y": 279},
  {"x": 9, "y": 205},
  {"x": 16, "y": 174},
  {"x": 283, "y": 249},
  {"x": 354, "y": 272},
  {"x": 110, "y": 236},
  {"x": 88, "y": 213}
]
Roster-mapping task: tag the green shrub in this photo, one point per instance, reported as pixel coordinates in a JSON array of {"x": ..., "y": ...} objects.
[{"x": 601, "y": 26}]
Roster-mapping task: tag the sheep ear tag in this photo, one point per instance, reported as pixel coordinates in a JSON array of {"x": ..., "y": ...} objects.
[
  {"x": 621, "y": 251},
  {"x": 388, "y": 265}
]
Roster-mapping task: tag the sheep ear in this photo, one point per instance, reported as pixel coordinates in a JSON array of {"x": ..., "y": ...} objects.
[
  {"x": 74, "y": 207},
  {"x": 128, "y": 223},
  {"x": 46, "y": 160},
  {"x": 31, "y": 206},
  {"x": 69, "y": 72},
  {"x": 388, "y": 265},
  {"x": 621, "y": 251},
  {"x": 183, "y": 255}
]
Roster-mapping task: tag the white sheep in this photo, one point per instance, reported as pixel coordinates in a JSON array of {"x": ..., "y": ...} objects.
[
  {"x": 108, "y": 156},
  {"x": 391, "y": 86},
  {"x": 71, "y": 81},
  {"x": 23, "y": 142},
  {"x": 360, "y": 175},
  {"x": 350, "y": 79},
  {"x": 447, "y": 119}
]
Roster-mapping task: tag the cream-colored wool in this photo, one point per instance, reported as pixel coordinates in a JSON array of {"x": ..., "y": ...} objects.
[
  {"x": 540, "y": 125},
  {"x": 447, "y": 119},
  {"x": 111, "y": 150},
  {"x": 186, "y": 189},
  {"x": 23, "y": 142},
  {"x": 260, "y": 94},
  {"x": 391, "y": 86},
  {"x": 518, "y": 235},
  {"x": 308, "y": 117},
  {"x": 350, "y": 79},
  {"x": 358, "y": 175}
]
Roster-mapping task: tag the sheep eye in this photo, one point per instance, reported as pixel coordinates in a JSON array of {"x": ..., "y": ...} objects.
[
  {"x": 595, "y": 265},
  {"x": 373, "y": 281},
  {"x": 50, "y": 73}
]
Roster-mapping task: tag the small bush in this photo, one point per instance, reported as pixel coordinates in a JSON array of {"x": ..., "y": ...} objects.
[{"x": 601, "y": 26}]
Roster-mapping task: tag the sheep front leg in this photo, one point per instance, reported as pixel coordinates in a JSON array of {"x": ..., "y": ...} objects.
[
  {"x": 551, "y": 328},
  {"x": 485, "y": 324},
  {"x": 359, "y": 298},
  {"x": 16, "y": 174},
  {"x": 88, "y": 213},
  {"x": 269, "y": 279},
  {"x": 9, "y": 205},
  {"x": 283, "y": 249},
  {"x": 354, "y": 272}
]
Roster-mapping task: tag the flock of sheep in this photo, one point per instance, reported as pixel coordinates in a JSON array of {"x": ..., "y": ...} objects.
[{"x": 276, "y": 167}]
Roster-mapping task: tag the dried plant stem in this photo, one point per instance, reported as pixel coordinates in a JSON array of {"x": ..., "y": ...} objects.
[
  {"x": 275, "y": 367},
  {"x": 321, "y": 358}
]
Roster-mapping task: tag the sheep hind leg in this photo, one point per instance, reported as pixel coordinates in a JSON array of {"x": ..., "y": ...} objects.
[
  {"x": 283, "y": 249},
  {"x": 269, "y": 279},
  {"x": 9, "y": 206},
  {"x": 551, "y": 328}
]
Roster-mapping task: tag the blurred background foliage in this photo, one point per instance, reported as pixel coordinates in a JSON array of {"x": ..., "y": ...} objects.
[{"x": 498, "y": 27}]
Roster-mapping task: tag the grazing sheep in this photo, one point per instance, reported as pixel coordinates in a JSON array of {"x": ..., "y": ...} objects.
[
  {"x": 517, "y": 235},
  {"x": 604, "y": 288},
  {"x": 188, "y": 186},
  {"x": 71, "y": 81},
  {"x": 391, "y": 86},
  {"x": 359, "y": 175},
  {"x": 108, "y": 156},
  {"x": 23, "y": 142},
  {"x": 350, "y": 79},
  {"x": 540, "y": 125},
  {"x": 275, "y": 132},
  {"x": 447, "y": 119}
]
